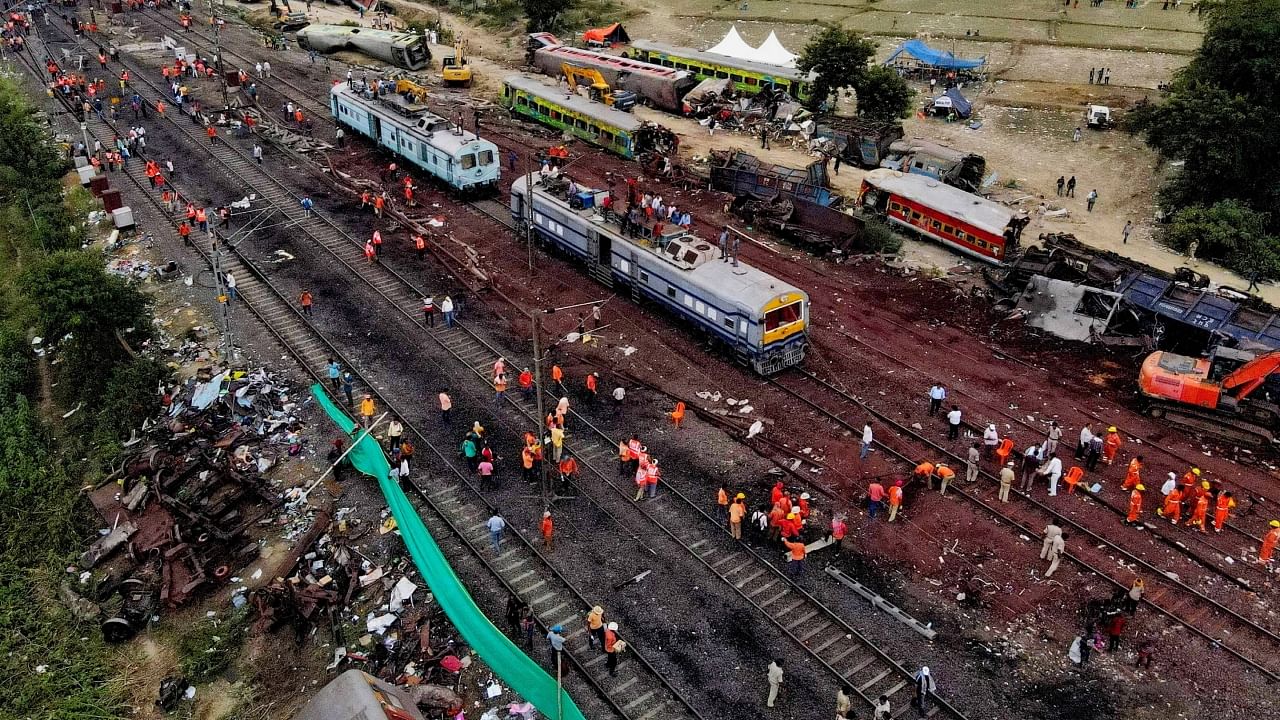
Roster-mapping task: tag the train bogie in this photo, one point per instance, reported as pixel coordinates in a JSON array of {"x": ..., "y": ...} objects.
[
  {"x": 761, "y": 319},
  {"x": 431, "y": 143},
  {"x": 402, "y": 49}
]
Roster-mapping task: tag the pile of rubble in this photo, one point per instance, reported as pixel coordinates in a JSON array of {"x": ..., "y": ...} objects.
[{"x": 182, "y": 509}]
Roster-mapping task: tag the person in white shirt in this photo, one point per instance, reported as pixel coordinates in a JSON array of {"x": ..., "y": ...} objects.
[
  {"x": 990, "y": 439},
  {"x": 867, "y": 438},
  {"x": 775, "y": 680},
  {"x": 1053, "y": 470},
  {"x": 1169, "y": 484},
  {"x": 1086, "y": 437},
  {"x": 496, "y": 525},
  {"x": 231, "y": 286},
  {"x": 953, "y": 423},
  {"x": 937, "y": 394}
]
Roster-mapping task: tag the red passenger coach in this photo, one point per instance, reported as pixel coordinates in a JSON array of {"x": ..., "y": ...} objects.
[{"x": 966, "y": 222}]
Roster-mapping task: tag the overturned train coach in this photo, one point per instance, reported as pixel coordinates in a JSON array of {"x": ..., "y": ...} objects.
[
  {"x": 658, "y": 86},
  {"x": 761, "y": 319},
  {"x": 402, "y": 49},
  {"x": 439, "y": 147}
]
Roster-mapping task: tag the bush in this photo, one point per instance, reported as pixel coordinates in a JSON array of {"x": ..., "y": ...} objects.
[
  {"x": 1230, "y": 233},
  {"x": 211, "y": 647},
  {"x": 878, "y": 237}
]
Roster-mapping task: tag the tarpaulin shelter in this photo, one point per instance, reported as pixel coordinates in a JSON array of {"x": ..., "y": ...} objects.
[
  {"x": 953, "y": 100},
  {"x": 492, "y": 645},
  {"x": 916, "y": 54},
  {"x": 773, "y": 53},
  {"x": 611, "y": 35}
]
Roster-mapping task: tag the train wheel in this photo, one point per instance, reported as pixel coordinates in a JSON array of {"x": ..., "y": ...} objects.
[{"x": 1155, "y": 411}]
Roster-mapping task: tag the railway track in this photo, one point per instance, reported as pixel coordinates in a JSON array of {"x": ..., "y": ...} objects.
[
  {"x": 1206, "y": 617},
  {"x": 455, "y": 505},
  {"x": 829, "y": 640},
  {"x": 1185, "y": 542}
]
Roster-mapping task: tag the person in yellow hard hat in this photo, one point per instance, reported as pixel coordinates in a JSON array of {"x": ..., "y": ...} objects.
[
  {"x": 737, "y": 511},
  {"x": 1135, "y": 503},
  {"x": 1269, "y": 542},
  {"x": 1111, "y": 445}
]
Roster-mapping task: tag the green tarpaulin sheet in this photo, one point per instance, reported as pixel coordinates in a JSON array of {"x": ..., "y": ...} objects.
[{"x": 515, "y": 668}]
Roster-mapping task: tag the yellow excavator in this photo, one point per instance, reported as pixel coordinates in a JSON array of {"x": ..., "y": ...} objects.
[
  {"x": 454, "y": 69},
  {"x": 597, "y": 88},
  {"x": 410, "y": 90}
]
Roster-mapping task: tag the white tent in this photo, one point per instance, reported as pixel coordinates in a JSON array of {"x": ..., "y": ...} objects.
[
  {"x": 734, "y": 46},
  {"x": 773, "y": 53}
]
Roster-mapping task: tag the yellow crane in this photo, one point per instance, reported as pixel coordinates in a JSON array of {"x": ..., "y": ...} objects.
[
  {"x": 598, "y": 89},
  {"x": 407, "y": 88},
  {"x": 454, "y": 69}
]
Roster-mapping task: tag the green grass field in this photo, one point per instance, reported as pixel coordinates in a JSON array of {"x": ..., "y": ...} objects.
[{"x": 1146, "y": 28}]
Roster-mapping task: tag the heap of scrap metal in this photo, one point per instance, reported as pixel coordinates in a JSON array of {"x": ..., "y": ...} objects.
[
  {"x": 795, "y": 204},
  {"x": 1076, "y": 292},
  {"x": 192, "y": 487}
]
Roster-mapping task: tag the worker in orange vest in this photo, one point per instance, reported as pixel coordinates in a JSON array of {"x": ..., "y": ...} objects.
[
  {"x": 1135, "y": 503},
  {"x": 895, "y": 499},
  {"x": 651, "y": 478},
  {"x": 379, "y": 202},
  {"x": 593, "y": 382},
  {"x": 202, "y": 219},
  {"x": 737, "y": 511},
  {"x": 677, "y": 415},
  {"x": 776, "y": 518},
  {"x": 547, "y": 528},
  {"x": 1134, "y": 475},
  {"x": 377, "y": 243},
  {"x": 568, "y": 470},
  {"x": 1198, "y": 515},
  {"x": 795, "y": 563},
  {"x": 722, "y": 504},
  {"x": 212, "y": 132},
  {"x": 945, "y": 475},
  {"x": 408, "y": 195},
  {"x": 557, "y": 377},
  {"x": 924, "y": 473},
  {"x": 1172, "y": 506},
  {"x": 364, "y": 199},
  {"x": 526, "y": 389},
  {"x": 642, "y": 476},
  {"x": 775, "y": 495},
  {"x": 1221, "y": 509},
  {"x": 1111, "y": 445},
  {"x": 526, "y": 462},
  {"x": 305, "y": 299},
  {"x": 184, "y": 231},
  {"x": 1269, "y": 542},
  {"x": 803, "y": 505}
]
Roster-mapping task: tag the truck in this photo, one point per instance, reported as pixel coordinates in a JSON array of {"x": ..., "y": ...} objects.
[{"x": 1231, "y": 394}]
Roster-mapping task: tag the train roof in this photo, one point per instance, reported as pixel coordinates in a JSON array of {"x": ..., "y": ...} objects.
[
  {"x": 742, "y": 283},
  {"x": 570, "y": 101},
  {"x": 967, "y": 207},
  {"x": 392, "y": 106},
  {"x": 749, "y": 65},
  {"x": 387, "y": 35},
  {"x": 573, "y": 54}
]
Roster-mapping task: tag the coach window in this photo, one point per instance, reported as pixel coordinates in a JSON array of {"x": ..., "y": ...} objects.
[
  {"x": 752, "y": 81},
  {"x": 671, "y": 292},
  {"x": 711, "y": 313},
  {"x": 948, "y": 230},
  {"x": 468, "y": 161},
  {"x": 781, "y": 316},
  {"x": 915, "y": 215},
  {"x": 644, "y": 276},
  {"x": 486, "y": 157},
  {"x": 728, "y": 322},
  {"x": 555, "y": 115},
  {"x": 937, "y": 225},
  {"x": 722, "y": 74}
]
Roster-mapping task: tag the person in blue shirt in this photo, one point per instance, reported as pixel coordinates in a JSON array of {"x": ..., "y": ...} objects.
[{"x": 335, "y": 372}]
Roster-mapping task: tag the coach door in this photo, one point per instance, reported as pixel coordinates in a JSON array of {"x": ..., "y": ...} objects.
[
  {"x": 375, "y": 127},
  {"x": 599, "y": 253}
]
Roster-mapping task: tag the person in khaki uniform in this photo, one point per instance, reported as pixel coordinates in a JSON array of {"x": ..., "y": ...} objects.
[{"x": 1006, "y": 481}]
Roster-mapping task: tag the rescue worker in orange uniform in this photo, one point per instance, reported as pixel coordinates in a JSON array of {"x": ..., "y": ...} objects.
[
  {"x": 722, "y": 504},
  {"x": 795, "y": 561},
  {"x": 593, "y": 384},
  {"x": 776, "y": 518},
  {"x": 1221, "y": 510},
  {"x": 557, "y": 376},
  {"x": 737, "y": 511},
  {"x": 624, "y": 452},
  {"x": 547, "y": 528},
  {"x": 1135, "y": 503},
  {"x": 642, "y": 476},
  {"x": 1134, "y": 475},
  {"x": 945, "y": 476},
  {"x": 1111, "y": 445},
  {"x": 924, "y": 473},
  {"x": 1200, "y": 511},
  {"x": 1172, "y": 506},
  {"x": 775, "y": 496},
  {"x": 895, "y": 499},
  {"x": 526, "y": 462},
  {"x": 804, "y": 506},
  {"x": 1269, "y": 542}
]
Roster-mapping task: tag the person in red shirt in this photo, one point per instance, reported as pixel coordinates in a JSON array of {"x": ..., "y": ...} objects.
[{"x": 875, "y": 495}]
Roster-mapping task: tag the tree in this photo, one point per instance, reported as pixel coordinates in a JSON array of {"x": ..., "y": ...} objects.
[
  {"x": 1219, "y": 118},
  {"x": 544, "y": 14},
  {"x": 839, "y": 57},
  {"x": 883, "y": 95},
  {"x": 1228, "y": 232}
]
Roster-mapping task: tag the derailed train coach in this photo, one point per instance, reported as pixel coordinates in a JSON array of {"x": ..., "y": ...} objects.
[
  {"x": 762, "y": 320},
  {"x": 402, "y": 49},
  {"x": 660, "y": 87}
]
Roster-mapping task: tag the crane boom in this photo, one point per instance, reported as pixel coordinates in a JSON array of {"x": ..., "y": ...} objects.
[{"x": 1249, "y": 377}]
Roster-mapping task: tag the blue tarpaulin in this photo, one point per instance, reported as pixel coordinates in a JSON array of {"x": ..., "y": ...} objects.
[{"x": 937, "y": 58}]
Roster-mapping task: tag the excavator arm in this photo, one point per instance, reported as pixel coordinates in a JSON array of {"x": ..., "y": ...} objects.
[{"x": 1249, "y": 377}]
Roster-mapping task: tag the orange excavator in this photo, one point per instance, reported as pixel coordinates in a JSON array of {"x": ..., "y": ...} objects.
[{"x": 1229, "y": 394}]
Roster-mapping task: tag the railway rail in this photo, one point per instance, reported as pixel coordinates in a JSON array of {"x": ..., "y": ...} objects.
[
  {"x": 638, "y": 691},
  {"x": 827, "y": 638},
  {"x": 1216, "y": 623}
]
